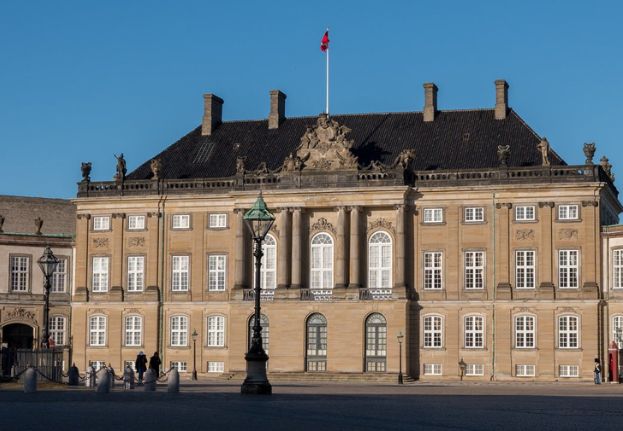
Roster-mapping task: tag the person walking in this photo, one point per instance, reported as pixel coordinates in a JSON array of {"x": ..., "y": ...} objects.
[
  {"x": 597, "y": 372},
  {"x": 141, "y": 366},
  {"x": 154, "y": 364}
]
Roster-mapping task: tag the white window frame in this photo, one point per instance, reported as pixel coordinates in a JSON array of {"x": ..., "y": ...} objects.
[
  {"x": 568, "y": 271},
  {"x": 525, "y": 331},
  {"x": 98, "y": 325},
  {"x": 432, "y": 369},
  {"x": 474, "y": 370},
  {"x": 101, "y": 271},
  {"x": 433, "y": 215},
  {"x": 617, "y": 268},
  {"x": 216, "y": 367},
  {"x": 433, "y": 331},
  {"x": 474, "y": 326},
  {"x": 217, "y": 221},
  {"x": 474, "y": 214},
  {"x": 525, "y": 370},
  {"x": 180, "y": 273},
  {"x": 59, "y": 278},
  {"x": 433, "y": 270},
  {"x": 568, "y": 212},
  {"x": 268, "y": 268},
  {"x": 525, "y": 273},
  {"x": 178, "y": 331},
  {"x": 136, "y": 273},
  {"x": 180, "y": 221},
  {"x": 216, "y": 331},
  {"x": 57, "y": 326},
  {"x": 474, "y": 271},
  {"x": 617, "y": 322},
  {"x": 101, "y": 223},
  {"x": 568, "y": 331},
  {"x": 568, "y": 371},
  {"x": 525, "y": 213},
  {"x": 20, "y": 273},
  {"x": 133, "y": 330},
  {"x": 217, "y": 272},
  {"x": 136, "y": 222},
  {"x": 180, "y": 366},
  {"x": 321, "y": 263},
  {"x": 380, "y": 258}
]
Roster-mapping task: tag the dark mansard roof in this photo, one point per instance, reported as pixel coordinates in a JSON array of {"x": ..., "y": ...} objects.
[{"x": 454, "y": 140}]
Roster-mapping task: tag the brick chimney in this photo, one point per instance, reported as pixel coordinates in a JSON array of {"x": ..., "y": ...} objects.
[
  {"x": 277, "y": 109},
  {"x": 212, "y": 113},
  {"x": 430, "y": 101},
  {"x": 501, "y": 99}
]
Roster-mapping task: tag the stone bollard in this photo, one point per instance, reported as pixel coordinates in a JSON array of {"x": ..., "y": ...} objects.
[
  {"x": 128, "y": 378},
  {"x": 149, "y": 381},
  {"x": 103, "y": 385},
  {"x": 73, "y": 376},
  {"x": 30, "y": 381},
  {"x": 92, "y": 377},
  {"x": 173, "y": 382},
  {"x": 111, "y": 371}
]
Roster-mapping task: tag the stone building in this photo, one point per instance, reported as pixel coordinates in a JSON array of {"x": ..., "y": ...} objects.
[
  {"x": 612, "y": 283},
  {"x": 27, "y": 226},
  {"x": 462, "y": 230}
]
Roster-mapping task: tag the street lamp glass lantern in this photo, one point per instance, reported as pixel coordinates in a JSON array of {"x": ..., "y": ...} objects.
[
  {"x": 194, "y": 335},
  {"x": 259, "y": 219},
  {"x": 48, "y": 262},
  {"x": 400, "y": 337}
]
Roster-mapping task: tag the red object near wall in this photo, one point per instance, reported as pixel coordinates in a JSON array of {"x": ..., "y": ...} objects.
[{"x": 613, "y": 362}]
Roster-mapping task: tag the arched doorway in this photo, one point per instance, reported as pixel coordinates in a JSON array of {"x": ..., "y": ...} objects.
[{"x": 17, "y": 336}]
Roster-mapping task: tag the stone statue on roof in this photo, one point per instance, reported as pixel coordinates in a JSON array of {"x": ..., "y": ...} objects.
[
  {"x": 156, "y": 167},
  {"x": 85, "y": 169},
  {"x": 543, "y": 147},
  {"x": 121, "y": 167}
]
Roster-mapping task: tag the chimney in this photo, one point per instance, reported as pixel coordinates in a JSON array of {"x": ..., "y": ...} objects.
[
  {"x": 277, "y": 109},
  {"x": 501, "y": 99},
  {"x": 430, "y": 101},
  {"x": 212, "y": 113}
]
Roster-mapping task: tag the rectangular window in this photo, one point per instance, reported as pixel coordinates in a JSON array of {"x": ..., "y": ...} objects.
[
  {"x": 180, "y": 366},
  {"x": 216, "y": 331},
  {"x": 98, "y": 365},
  {"x": 97, "y": 331},
  {"x": 474, "y": 269},
  {"x": 217, "y": 221},
  {"x": 525, "y": 213},
  {"x": 474, "y": 332},
  {"x": 136, "y": 222},
  {"x": 475, "y": 214},
  {"x": 617, "y": 269},
  {"x": 20, "y": 273},
  {"x": 59, "y": 278},
  {"x": 179, "y": 273},
  {"x": 433, "y": 215},
  {"x": 133, "y": 330},
  {"x": 475, "y": 370},
  {"x": 432, "y": 369},
  {"x": 524, "y": 370},
  {"x": 433, "y": 331},
  {"x": 217, "y": 266},
  {"x": 569, "y": 371},
  {"x": 525, "y": 269},
  {"x": 568, "y": 212},
  {"x": 568, "y": 269},
  {"x": 432, "y": 270},
  {"x": 216, "y": 367},
  {"x": 524, "y": 332},
  {"x": 101, "y": 223},
  {"x": 568, "y": 332},
  {"x": 57, "y": 330},
  {"x": 100, "y": 274},
  {"x": 136, "y": 273},
  {"x": 181, "y": 221},
  {"x": 179, "y": 331},
  {"x": 617, "y": 329}
]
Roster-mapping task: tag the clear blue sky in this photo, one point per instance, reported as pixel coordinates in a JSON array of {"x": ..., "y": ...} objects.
[{"x": 81, "y": 80}]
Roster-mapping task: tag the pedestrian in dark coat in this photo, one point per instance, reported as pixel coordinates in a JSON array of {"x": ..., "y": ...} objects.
[
  {"x": 154, "y": 364},
  {"x": 141, "y": 366}
]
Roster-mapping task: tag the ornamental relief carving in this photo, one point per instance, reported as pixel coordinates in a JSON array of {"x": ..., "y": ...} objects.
[
  {"x": 20, "y": 313},
  {"x": 568, "y": 234},
  {"x": 136, "y": 241},
  {"x": 524, "y": 234},
  {"x": 381, "y": 223},
  {"x": 100, "y": 242},
  {"x": 323, "y": 225}
]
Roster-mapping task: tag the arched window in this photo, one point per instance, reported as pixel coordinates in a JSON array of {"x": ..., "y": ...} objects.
[
  {"x": 525, "y": 330},
  {"x": 316, "y": 354},
  {"x": 322, "y": 264},
  {"x": 568, "y": 332},
  {"x": 380, "y": 263},
  {"x": 376, "y": 343},
  {"x": 474, "y": 329},
  {"x": 265, "y": 330},
  {"x": 133, "y": 330},
  {"x": 617, "y": 330},
  {"x": 268, "y": 270},
  {"x": 179, "y": 331},
  {"x": 216, "y": 331},
  {"x": 97, "y": 330},
  {"x": 56, "y": 327},
  {"x": 433, "y": 331}
]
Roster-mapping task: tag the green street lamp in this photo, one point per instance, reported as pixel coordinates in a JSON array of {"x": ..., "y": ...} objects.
[
  {"x": 259, "y": 220},
  {"x": 48, "y": 264}
]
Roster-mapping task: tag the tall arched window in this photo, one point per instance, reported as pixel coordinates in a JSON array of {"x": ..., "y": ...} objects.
[
  {"x": 179, "y": 331},
  {"x": 316, "y": 354},
  {"x": 268, "y": 269},
  {"x": 380, "y": 264},
  {"x": 376, "y": 343},
  {"x": 265, "y": 330},
  {"x": 133, "y": 330},
  {"x": 322, "y": 264}
]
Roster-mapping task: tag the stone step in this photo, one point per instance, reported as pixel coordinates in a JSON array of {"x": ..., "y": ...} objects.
[{"x": 321, "y": 377}]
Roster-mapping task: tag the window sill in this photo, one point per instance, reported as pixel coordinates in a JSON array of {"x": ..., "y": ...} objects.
[
  {"x": 433, "y": 349},
  {"x": 569, "y": 349}
]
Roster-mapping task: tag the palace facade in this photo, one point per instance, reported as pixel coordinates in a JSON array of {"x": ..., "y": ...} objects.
[{"x": 461, "y": 231}]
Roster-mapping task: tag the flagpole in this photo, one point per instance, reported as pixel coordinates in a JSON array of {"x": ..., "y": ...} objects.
[{"x": 327, "y": 95}]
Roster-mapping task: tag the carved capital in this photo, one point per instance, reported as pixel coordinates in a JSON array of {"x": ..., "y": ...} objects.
[
  {"x": 590, "y": 203},
  {"x": 506, "y": 205},
  {"x": 546, "y": 204},
  {"x": 83, "y": 216},
  {"x": 118, "y": 215},
  {"x": 356, "y": 209}
]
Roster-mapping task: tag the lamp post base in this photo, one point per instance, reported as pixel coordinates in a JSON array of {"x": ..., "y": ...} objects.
[
  {"x": 256, "y": 382},
  {"x": 256, "y": 388},
  {"x": 194, "y": 375}
]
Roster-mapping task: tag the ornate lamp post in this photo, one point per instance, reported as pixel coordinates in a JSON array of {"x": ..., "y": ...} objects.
[
  {"x": 259, "y": 220},
  {"x": 48, "y": 264},
  {"x": 194, "y": 335},
  {"x": 400, "y": 337},
  {"x": 462, "y": 367}
]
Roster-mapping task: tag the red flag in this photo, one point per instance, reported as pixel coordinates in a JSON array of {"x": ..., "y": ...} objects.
[{"x": 324, "y": 43}]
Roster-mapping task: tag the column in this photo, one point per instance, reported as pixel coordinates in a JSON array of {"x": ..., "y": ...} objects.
[
  {"x": 283, "y": 249},
  {"x": 340, "y": 249},
  {"x": 296, "y": 248},
  {"x": 546, "y": 240},
  {"x": 503, "y": 241},
  {"x": 240, "y": 279},
  {"x": 355, "y": 246},
  {"x": 399, "y": 281}
]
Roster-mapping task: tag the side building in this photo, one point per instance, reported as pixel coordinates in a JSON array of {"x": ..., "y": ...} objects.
[{"x": 462, "y": 231}]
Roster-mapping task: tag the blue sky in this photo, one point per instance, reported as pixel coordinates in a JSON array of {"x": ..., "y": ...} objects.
[{"x": 81, "y": 81}]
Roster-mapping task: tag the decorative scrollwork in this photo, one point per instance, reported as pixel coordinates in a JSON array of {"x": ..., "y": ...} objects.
[
  {"x": 323, "y": 225},
  {"x": 524, "y": 234},
  {"x": 136, "y": 241},
  {"x": 381, "y": 223},
  {"x": 100, "y": 242},
  {"x": 568, "y": 234}
]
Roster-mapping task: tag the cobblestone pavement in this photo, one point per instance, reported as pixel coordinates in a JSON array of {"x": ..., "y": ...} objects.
[{"x": 306, "y": 406}]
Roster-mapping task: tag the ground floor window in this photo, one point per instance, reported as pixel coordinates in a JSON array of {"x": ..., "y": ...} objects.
[
  {"x": 180, "y": 366},
  {"x": 376, "y": 343},
  {"x": 523, "y": 370},
  {"x": 432, "y": 369},
  {"x": 316, "y": 343},
  {"x": 216, "y": 367}
]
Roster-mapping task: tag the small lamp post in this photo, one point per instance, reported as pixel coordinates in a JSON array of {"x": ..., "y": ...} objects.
[
  {"x": 194, "y": 335},
  {"x": 462, "y": 367},
  {"x": 48, "y": 264},
  {"x": 400, "y": 337},
  {"x": 259, "y": 220}
]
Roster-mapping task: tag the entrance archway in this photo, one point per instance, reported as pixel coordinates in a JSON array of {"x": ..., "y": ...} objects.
[{"x": 17, "y": 336}]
